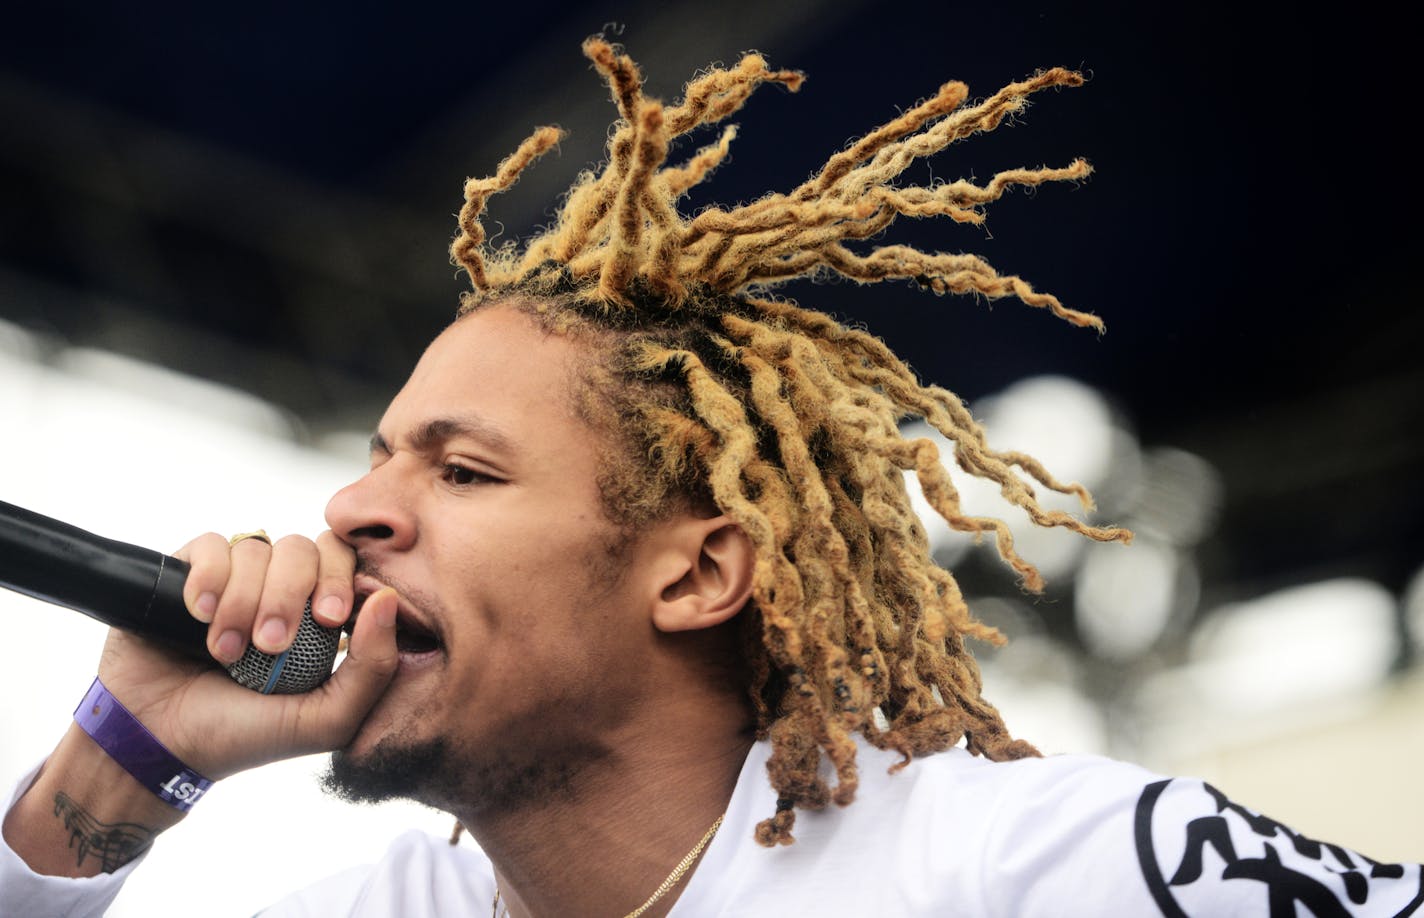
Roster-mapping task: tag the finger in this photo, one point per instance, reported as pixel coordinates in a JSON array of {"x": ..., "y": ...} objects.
[
  {"x": 331, "y": 603},
  {"x": 237, "y": 605},
  {"x": 208, "y": 559},
  {"x": 291, "y": 574}
]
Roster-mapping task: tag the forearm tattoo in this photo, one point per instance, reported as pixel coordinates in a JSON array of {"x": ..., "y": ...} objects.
[{"x": 114, "y": 844}]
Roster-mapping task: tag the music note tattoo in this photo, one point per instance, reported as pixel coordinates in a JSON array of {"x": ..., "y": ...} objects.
[{"x": 114, "y": 844}]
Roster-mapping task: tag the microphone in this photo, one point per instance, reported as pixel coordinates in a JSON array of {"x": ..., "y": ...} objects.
[{"x": 140, "y": 591}]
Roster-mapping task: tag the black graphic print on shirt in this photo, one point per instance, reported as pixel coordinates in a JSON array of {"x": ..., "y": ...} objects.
[{"x": 1197, "y": 849}]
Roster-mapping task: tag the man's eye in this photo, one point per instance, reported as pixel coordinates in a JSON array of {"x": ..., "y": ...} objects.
[{"x": 459, "y": 475}]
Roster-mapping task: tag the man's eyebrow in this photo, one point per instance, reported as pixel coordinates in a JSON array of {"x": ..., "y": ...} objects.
[{"x": 437, "y": 430}]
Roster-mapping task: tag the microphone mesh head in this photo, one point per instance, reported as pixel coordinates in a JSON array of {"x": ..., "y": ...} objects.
[{"x": 300, "y": 668}]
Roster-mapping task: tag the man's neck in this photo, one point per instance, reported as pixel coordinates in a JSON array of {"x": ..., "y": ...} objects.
[{"x": 603, "y": 844}]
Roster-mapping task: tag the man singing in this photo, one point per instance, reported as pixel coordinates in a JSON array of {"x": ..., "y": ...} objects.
[{"x": 636, "y": 594}]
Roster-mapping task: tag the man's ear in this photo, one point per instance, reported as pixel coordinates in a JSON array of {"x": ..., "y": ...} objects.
[{"x": 703, "y": 573}]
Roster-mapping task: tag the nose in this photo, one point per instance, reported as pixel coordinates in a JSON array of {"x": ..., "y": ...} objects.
[{"x": 372, "y": 511}]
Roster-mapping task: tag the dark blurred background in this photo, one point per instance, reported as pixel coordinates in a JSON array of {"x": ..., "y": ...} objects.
[{"x": 262, "y": 195}]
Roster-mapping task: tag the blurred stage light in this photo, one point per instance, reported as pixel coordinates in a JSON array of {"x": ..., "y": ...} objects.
[
  {"x": 1063, "y": 423},
  {"x": 16, "y": 346},
  {"x": 1179, "y": 498},
  {"x": 1295, "y": 647},
  {"x": 1413, "y": 600},
  {"x": 1126, "y": 600}
]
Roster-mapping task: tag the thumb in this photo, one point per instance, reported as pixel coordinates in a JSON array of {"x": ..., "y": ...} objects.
[{"x": 359, "y": 681}]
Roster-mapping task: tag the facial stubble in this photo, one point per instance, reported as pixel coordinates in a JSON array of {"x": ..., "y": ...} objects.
[{"x": 431, "y": 772}]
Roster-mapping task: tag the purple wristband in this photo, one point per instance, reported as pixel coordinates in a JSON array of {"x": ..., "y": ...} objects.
[{"x": 129, "y": 743}]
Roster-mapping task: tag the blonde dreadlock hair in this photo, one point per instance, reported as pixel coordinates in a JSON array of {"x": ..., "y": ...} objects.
[{"x": 785, "y": 419}]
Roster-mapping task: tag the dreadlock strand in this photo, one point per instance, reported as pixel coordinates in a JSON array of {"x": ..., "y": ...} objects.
[
  {"x": 792, "y": 770},
  {"x": 786, "y": 267},
  {"x": 626, "y": 246},
  {"x": 624, "y": 79},
  {"x": 923, "y": 202},
  {"x": 676, "y": 181},
  {"x": 886, "y": 508},
  {"x": 942, "y": 495},
  {"x": 944, "y": 273},
  {"x": 717, "y": 407},
  {"x": 831, "y": 563},
  {"x": 592, "y": 199},
  {"x": 750, "y": 255},
  {"x": 973, "y": 456},
  {"x": 663, "y": 275},
  {"x": 691, "y": 112},
  {"x": 913, "y": 730},
  {"x": 812, "y": 384},
  {"x": 585, "y": 203},
  {"x": 588, "y": 204},
  {"x": 1035, "y": 468},
  {"x": 739, "y": 260},
  {"x": 744, "y": 252},
  {"x": 973, "y": 453},
  {"x": 769, "y": 215},
  {"x": 707, "y": 99},
  {"x": 948, "y": 98},
  {"x": 943, "y": 411},
  {"x": 895, "y": 158},
  {"x": 957, "y": 199},
  {"x": 1006, "y": 285},
  {"x": 952, "y": 615},
  {"x": 964, "y": 191},
  {"x": 465, "y": 250},
  {"x": 772, "y": 213}
]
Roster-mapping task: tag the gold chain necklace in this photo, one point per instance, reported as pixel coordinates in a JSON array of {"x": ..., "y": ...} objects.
[{"x": 677, "y": 874}]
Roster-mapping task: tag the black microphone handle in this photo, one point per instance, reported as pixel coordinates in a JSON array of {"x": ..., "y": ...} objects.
[
  {"x": 131, "y": 588},
  {"x": 141, "y": 591}
]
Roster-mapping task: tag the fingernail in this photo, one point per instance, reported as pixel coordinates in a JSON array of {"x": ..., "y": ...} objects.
[
  {"x": 229, "y": 647},
  {"x": 206, "y": 606},
  {"x": 272, "y": 635},
  {"x": 330, "y": 609}
]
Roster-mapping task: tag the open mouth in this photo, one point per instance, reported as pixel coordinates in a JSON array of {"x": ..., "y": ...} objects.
[{"x": 413, "y": 638}]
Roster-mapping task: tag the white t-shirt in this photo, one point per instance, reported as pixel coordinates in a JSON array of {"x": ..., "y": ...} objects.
[{"x": 951, "y": 834}]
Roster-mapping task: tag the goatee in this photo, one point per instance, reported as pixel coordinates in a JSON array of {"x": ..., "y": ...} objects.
[{"x": 390, "y": 771}]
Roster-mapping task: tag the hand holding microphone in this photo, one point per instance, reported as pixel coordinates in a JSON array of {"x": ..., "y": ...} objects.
[
  {"x": 158, "y": 726},
  {"x": 232, "y": 601},
  {"x": 186, "y": 719},
  {"x": 145, "y": 593},
  {"x": 282, "y": 656}
]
